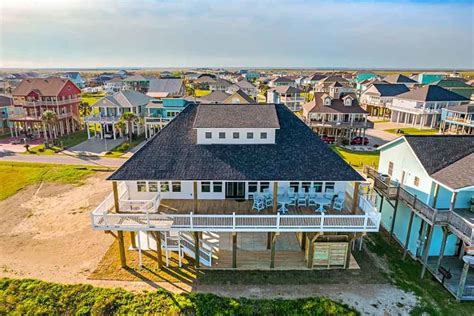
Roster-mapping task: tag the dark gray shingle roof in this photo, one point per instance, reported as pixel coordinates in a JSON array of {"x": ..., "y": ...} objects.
[
  {"x": 390, "y": 89},
  {"x": 236, "y": 116},
  {"x": 438, "y": 152},
  {"x": 298, "y": 154},
  {"x": 431, "y": 93}
]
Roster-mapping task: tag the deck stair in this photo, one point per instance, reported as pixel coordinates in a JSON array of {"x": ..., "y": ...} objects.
[{"x": 184, "y": 243}]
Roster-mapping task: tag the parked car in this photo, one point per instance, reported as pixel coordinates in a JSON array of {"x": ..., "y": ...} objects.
[
  {"x": 328, "y": 139},
  {"x": 360, "y": 141}
]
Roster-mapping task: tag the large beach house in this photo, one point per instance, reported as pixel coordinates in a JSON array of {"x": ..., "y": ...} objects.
[{"x": 244, "y": 186}]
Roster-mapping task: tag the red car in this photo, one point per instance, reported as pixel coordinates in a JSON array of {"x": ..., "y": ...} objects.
[
  {"x": 360, "y": 141},
  {"x": 328, "y": 139}
]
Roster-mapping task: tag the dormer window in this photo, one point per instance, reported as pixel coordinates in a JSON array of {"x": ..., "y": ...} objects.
[
  {"x": 348, "y": 101},
  {"x": 327, "y": 101}
]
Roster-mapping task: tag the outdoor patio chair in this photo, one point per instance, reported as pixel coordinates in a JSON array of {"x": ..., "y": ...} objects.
[
  {"x": 258, "y": 204},
  {"x": 292, "y": 200},
  {"x": 338, "y": 204},
  {"x": 268, "y": 200},
  {"x": 301, "y": 199}
]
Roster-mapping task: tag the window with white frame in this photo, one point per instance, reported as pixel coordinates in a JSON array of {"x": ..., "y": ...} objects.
[
  {"x": 205, "y": 187},
  {"x": 164, "y": 187},
  {"x": 249, "y": 135},
  {"x": 208, "y": 135},
  {"x": 253, "y": 187},
  {"x": 176, "y": 186},
  {"x": 221, "y": 135},
  {"x": 153, "y": 186},
  {"x": 390, "y": 168},
  {"x": 264, "y": 185},
  {"x": 318, "y": 186},
  {"x": 305, "y": 186},
  {"x": 295, "y": 186},
  {"x": 263, "y": 135},
  {"x": 217, "y": 187},
  {"x": 236, "y": 135},
  {"x": 329, "y": 187},
  {"x": 141, "y": 186},
  {"x": 416, "y": 181}
]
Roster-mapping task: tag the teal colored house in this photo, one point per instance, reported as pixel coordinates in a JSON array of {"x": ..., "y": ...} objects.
[
  {"x": 161, "y": 112},
  {"x": 426, "y": 197},
  {"x": 362, "y": 76},
  {"x": 428, "y": 78}
]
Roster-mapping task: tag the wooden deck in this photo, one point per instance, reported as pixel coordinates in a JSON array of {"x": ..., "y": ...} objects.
[
  {"x": 229, "y": 206},
  {"x": 454, "y": 266}
]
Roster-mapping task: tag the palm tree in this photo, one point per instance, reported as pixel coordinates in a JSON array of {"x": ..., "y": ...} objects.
[
  {"x": 120, "y": 126},
  {"x": 129, "y": 118},
  {"x": 85, "y": 108},
  {"x": 48, "y": 117}
]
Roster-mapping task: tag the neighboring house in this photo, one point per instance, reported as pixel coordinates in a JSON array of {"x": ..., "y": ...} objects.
[
  {"x": 166, "y": 88},
  {"x": 422, "y": 107},
  {"x": 204, "y": 81},
  {"x": 161, "y": 112},
  {"x": 362, "y": 76},
  {"x": 236, "y": 97},
  {"x": 336, "y": 115},
  {"x": 34, "y": 96},
  {"x": 288, "y": 95},
  {"x": 110, "y": 109},
  {"x": 245, "y": 86},
  {"x": 251, "y": 75},
  {"x": 426, "y": 185},
  {"x": 458, "y": 120},
  {"x": 314, "y": 79},
  {"x": 430, "y": 77},
  {"x": 400, "y": 79},
  {"x": 282, "y": 81},
  {"x": 124, "y": 73},
  {"x": 333, "y": 82},
  {"x": 378, "y": 96},
  {"x": 102, "y": 78},
  {"x": 209, "y": 174},
  {"x": 456, "y": 85},
  {"x": 5, "y": 106},
  {"x": 113, "y": 85},
  {"x": 76, "y": 78},
  {"x": 219, "y": 85},
  {"x": 136, "y": 82}
]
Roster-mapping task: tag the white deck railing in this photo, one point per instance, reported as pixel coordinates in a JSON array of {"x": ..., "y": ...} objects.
[{"x": 102, "y": 219}]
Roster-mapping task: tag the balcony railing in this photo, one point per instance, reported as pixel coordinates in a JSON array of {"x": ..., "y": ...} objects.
[
  {"x": 148, "y": 220},
  {"x": 437, "y": 216},
  {"x": 47, "y": 102},
  {"x": 24, "y": 116},
  {"x": 466, "y": 121},
  {"x": 413, "y": 110},
  {"x": 361, "y": 124},
  {"x": 155, "y": 119},
  {"x": 102, "y": 119}
]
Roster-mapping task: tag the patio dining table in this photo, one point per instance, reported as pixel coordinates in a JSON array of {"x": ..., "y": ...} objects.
[
  {"x": 283, "y": 200},
  {"x": 321, "y": 201}
]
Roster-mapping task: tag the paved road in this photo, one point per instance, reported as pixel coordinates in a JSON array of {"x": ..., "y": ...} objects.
[{"x": 63, "y": 159}]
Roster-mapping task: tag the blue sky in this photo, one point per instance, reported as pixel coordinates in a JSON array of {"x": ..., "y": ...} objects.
[{"x": 189, "y": 33}]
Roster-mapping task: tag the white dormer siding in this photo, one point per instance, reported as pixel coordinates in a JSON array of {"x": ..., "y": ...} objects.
[
  {"x": 208, "y": 136},
  {"x": 327, "y": 101}
]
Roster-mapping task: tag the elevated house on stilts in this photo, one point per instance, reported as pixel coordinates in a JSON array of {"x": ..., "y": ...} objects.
[{"x": 239, "y": 186}]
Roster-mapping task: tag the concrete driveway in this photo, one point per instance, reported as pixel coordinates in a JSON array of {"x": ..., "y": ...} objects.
[
  {"x": 377, "y": 135},
  {"x": 95, "y": 146}
]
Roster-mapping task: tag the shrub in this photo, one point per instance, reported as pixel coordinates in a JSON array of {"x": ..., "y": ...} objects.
[{"x": 38, "y": 297}]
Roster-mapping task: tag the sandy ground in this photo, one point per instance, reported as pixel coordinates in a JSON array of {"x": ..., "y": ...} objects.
[{"x": 45, "y": 233}]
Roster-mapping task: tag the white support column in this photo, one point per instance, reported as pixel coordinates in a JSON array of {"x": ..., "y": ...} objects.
[
  {"x": 140, "y": 263},
  {"x": 88, "y": 131},
  {"x": 146, "y": 131},
  {"x": 113, "y": 130}
]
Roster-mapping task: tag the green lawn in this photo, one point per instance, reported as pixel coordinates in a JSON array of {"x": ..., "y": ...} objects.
[
  {"x": 66, "y": 141},
  {"x": 91, "y": 98},
  {"x": 358, "y": 159},
  {"x": 124, "y": 147},
  {"x": 15, "y": 176},
  {"x": 34, "y": 297},
  {"x": 200, "y": 93},
  {"x": 433, "y": 298},
  {"x": 413, "y": 131}
]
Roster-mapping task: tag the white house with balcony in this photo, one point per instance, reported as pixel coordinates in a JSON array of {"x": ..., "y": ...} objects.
[
  {"x": 422, "y": 107},
  {"x": 287, "y": 95},
  {"x": 221, "y": 181},
  {"x": 108, "y": 112}
]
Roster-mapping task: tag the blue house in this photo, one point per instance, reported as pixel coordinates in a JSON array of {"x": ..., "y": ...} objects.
[
  {"x": 161, "y": 112},
  {"x": 426, "y": 187},
  {"x": 76, "y": 78},
  {"x": 458, "y": 120},
  {"x": 428, "y": 78}
]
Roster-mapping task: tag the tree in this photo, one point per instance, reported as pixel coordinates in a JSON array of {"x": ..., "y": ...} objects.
[
  {"x": 48, "y": 118},
  {"x": 190, "y": 90},
  {"x": 129, "y": 118},
  {"x": 120, "y": 126},
  {"x": 85, "y": 108}
]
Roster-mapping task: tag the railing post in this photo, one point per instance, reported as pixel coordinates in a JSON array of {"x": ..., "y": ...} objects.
[
  {"x": 191, "y": 219},
  {"x": 366, "y": 220},
  {"x": 233, "y": 221},
  {"x": 322, "y": 220},
  {"x": 278, "y": 221},
  {"x": 148, "y": 219}
]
